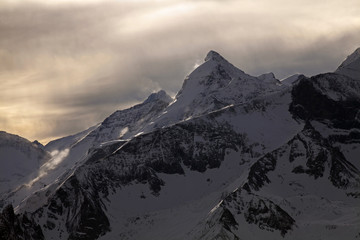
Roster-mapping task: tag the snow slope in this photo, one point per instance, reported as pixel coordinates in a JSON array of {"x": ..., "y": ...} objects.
[
  {"x": 291, "y": 79},
  {"x": 19, "y": 158},
  {"x": 350, "y": 67},
  {"x": 68, "y": 141}
]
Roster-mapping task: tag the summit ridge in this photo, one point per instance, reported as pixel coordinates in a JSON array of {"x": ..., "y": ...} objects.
[
  {"x": 213, "y": 55},
  {"x": 350, "y": 67}
]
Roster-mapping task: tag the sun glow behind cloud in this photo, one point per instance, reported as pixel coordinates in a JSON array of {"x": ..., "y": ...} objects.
[{"x": 66, "y": 65}]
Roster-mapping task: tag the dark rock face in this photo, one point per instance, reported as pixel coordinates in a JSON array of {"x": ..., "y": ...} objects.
[
  {"x": 228, "y": 220},
  {"x": 254, "y": 209},
  {"x": 197, "y": 145},
  {"x": 343, "y": 174},
  {"x": 333, "y": 100},
  {"x": 257, "y": 175},
  {"x": 316, "y": 152},
  {"x": 310, "y": 101},
  {"x": 82, "y": 209},
  {"x": 14, "y": 227}
]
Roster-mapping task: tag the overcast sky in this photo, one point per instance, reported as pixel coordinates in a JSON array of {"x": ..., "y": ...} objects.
[{"x": 66, "y": 65}]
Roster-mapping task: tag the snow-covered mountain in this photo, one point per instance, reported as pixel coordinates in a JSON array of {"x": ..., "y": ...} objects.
[
  {"x": 350, "y": 67},
  {"x": 68, "y": 141},
  {"x": 291, "y": 79},
  {"x": 19, "y": 158},
  {"x": 309, "y": 187},
  {"x": 213, "y": 85},
  {"x": 122, "y": 124},
  {"x": 231, "y": 157},
  {"x": 69, "y": 152}
]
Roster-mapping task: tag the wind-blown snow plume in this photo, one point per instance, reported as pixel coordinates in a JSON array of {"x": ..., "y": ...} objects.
[{"x": 57, "y": 158}]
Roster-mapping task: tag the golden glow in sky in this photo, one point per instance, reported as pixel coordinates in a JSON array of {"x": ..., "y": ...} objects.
[{"x": 66, "y": 65}]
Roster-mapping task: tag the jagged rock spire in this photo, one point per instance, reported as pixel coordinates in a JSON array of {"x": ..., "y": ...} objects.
[{"x": 212, "y": 55}]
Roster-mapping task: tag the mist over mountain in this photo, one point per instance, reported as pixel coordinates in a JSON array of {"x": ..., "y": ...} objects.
[{"x": 232, "y": 156}]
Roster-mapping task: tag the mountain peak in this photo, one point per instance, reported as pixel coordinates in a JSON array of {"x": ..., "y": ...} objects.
[
  {"x": 160, "y": 95},
  {"x": 267, "y": 76},
  {"x": 351, "y": 66},
  {"x": 37, "y": 144},
  {"x": 291, "y": 79},
  {"x": 351, "y": 58},
  {"x": 212, "y": 55}
]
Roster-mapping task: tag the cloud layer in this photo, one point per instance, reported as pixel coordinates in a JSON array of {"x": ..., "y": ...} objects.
[{"x": 67, "y": 65}]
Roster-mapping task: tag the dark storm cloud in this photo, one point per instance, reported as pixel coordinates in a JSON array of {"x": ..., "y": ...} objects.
[{"x": 68, "y": 66}]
